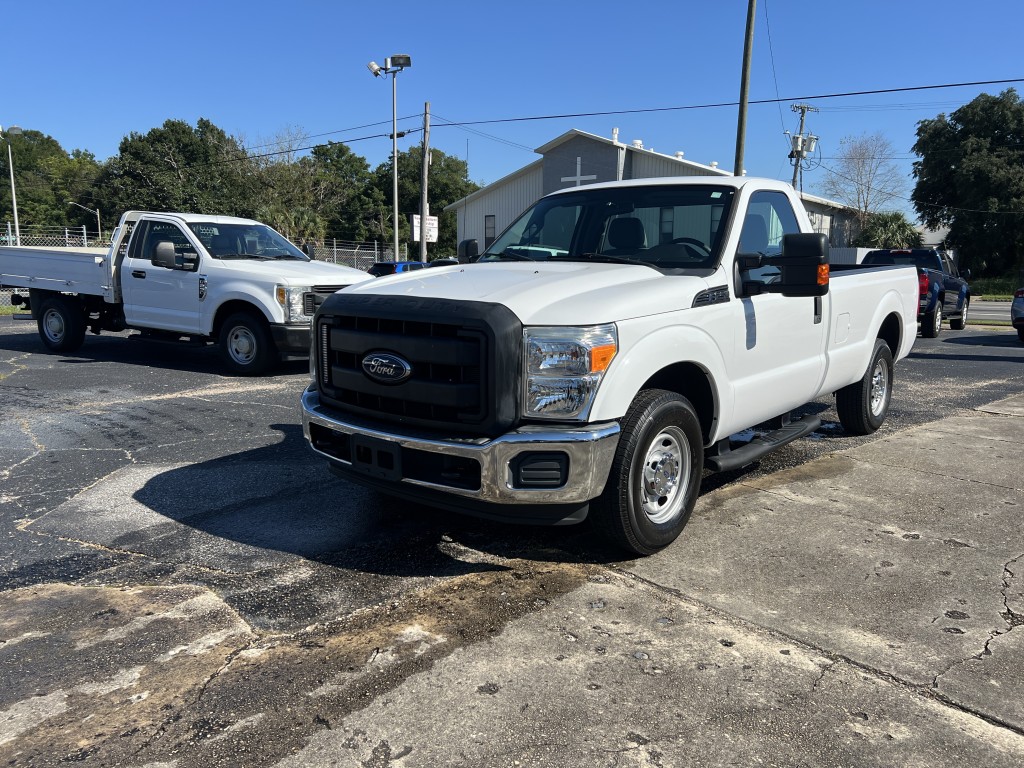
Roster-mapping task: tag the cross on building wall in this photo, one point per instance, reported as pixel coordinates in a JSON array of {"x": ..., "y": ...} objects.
[{"x": 579, "y": 178}]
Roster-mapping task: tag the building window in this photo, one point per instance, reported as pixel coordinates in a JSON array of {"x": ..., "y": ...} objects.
[
  {"x": 488, "y": 231},
  {"x": 666, "y": 226}
]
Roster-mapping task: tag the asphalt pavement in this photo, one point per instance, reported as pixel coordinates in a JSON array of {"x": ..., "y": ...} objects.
[{"x": 183, "y": 585}]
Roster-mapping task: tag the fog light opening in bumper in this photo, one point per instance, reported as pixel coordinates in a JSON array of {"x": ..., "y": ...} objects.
[{"x": 547, "y": 470}]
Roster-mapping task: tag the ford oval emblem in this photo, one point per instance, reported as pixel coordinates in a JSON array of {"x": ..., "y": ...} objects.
[{"x": 386, "y": 368}]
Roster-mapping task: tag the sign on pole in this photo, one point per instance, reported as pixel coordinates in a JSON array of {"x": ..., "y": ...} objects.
[{"x": 430, "y": 229}]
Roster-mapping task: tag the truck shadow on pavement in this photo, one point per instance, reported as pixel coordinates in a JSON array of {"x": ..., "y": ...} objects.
[{"x": 278, "y": 503}]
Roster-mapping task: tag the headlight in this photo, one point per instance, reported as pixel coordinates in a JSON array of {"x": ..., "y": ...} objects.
[
  {"x": 564, "y": 367},
  {"x": 291, "y": 297}
]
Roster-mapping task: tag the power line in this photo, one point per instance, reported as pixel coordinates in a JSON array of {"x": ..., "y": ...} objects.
[
  {"x": 914, "y": 202},
  {"x": 714, "y": 105}
]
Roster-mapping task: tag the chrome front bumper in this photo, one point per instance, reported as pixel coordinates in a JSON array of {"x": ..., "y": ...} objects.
[{"x": 590, "y": 448}]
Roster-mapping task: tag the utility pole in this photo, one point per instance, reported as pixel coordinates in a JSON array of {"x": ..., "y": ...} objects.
[
  {"x": 803, "y": 144},
  {"x": 741, "y": 122},
  {"x": 424, "y": 173}
]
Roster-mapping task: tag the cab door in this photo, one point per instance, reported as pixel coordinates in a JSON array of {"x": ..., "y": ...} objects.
[
  {"x": 779, "y": 359},
  {"x": 162, "y": 297}
]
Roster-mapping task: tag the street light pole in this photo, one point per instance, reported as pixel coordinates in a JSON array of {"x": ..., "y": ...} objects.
[
  {"x": 392, "y": 66},
  {"x": 99, "y": 227},
  {"x": 13, "y": 131},
  {"x": 394, "y": 151}
]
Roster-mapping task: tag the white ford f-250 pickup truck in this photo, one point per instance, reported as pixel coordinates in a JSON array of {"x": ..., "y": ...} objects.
[
  {"x": 171, "y": 276},
  {"x": 601, "y": 352}
]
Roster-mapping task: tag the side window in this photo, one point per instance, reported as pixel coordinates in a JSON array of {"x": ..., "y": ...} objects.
[
  {"x": 769, "y": 217},
  {"x": 160, "y": 230},
  {"x": 948, "y": 266}
]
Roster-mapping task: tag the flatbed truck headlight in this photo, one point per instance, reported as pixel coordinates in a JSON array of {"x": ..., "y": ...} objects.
[
  {"x": 291, "y": 298},
  {"x": 564, "y": 366}
]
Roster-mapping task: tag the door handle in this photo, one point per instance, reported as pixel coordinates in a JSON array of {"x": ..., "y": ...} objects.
[{"x": 139, "y": 273}]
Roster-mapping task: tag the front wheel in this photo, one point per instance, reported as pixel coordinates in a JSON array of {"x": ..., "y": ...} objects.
[
  {"x": 958, "y": 323},
  {"x": 61, "y": 322},
  {"x": 655, "y": 475},
  {"x": 862, "y": 406},
  {"x": 246, "y": 346}
]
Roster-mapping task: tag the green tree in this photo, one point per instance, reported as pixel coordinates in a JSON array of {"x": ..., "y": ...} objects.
[
  {"x": 888, "y": 230},
  {"x": 180, "y": 168},
  {"x": 970, "y": 178},
  {"x": 343, "y": 194},
  {"x": 45, "y": 178},
  {"x": 448, "y": 181}
]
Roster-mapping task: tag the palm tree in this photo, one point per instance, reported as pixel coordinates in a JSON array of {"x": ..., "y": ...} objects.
[{"x": 888, "y": 230}]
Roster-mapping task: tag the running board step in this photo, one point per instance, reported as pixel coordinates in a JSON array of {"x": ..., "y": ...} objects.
[{"x": 728, "y": 459}]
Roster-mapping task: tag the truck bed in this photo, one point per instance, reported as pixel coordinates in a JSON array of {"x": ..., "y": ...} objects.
[{"x": 58, "y": 269}]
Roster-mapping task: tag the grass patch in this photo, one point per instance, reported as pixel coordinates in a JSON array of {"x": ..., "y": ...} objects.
[{"x": 994, "y": 288}]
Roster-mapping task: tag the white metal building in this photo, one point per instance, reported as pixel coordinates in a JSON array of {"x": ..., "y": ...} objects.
[{"x": 577, "y": 158}]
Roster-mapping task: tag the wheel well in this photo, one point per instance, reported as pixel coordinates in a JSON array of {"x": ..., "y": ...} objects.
[
  {"x": 891, "y": 333},
  {"x": 694, "y": 383},
  {"x": 228, "y": 308}
]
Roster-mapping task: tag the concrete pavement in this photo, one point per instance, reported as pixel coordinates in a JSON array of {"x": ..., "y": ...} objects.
[{"x": 863, "y": 609}]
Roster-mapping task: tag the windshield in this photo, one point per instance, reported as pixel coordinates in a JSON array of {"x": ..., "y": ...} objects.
[
  {"x": 245, "y": 241},
  {"x": 923, "y": 259},
  {"x": 665, "y": 227}
]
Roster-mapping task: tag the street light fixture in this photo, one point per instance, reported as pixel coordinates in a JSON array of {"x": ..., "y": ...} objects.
[
  {"x": 12, "y": 131},
  {"x": 99, "y": 227},
  {"x": 392, "y": 66}
]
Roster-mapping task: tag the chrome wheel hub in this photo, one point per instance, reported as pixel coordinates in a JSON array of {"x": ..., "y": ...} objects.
[
  {"x": 879, "y": 387},
  {"x": 666, "y": 475}
]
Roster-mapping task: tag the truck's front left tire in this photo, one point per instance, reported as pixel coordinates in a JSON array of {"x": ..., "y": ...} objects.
[
  {"x": 655, "y": 476},
  {"x": 61, "y": 323},
  {"x": 246, "y": 346}
]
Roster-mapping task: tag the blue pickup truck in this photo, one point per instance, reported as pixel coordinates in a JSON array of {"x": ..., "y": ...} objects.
[{"x": 945, "y": 294}]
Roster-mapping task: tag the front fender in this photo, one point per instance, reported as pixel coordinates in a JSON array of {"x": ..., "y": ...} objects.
[
  {"x": 237, "y": 290},
  {"x": 648, "y": 346}
]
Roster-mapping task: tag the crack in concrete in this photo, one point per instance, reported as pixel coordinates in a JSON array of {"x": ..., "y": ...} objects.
[
  {"x": 924, "y": 690},
  {"x": 930, "y": 472}
]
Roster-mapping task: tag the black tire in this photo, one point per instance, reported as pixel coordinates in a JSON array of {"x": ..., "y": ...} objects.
[
  {"x": 655, "y": 476},
  {"x": 931, "y": 323},
  {"x": 862, "y": 407},
  {"x": 958, "y": 323},
  {"x": 246, "y": 346},
  {"x": 61, "y": 323}
]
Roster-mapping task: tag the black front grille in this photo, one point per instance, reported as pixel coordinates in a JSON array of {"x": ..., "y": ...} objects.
[
  {"x": 463, "y": 358},
  {"x": 311, "y": 300}
]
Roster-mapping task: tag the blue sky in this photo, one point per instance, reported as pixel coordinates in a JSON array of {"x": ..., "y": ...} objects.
[{"x": 89, "y": 74}]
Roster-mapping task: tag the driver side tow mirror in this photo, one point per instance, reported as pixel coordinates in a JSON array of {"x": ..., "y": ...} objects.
[
  {"x": 469, "y": 251},
  {"x": 803, "y": 267},
  {"x": 165, "y": 256}
]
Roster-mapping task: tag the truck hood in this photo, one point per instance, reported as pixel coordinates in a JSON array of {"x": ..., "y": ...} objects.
[
  {"x": 547, "y": 293},
  {"x": 297, "y": 273}
]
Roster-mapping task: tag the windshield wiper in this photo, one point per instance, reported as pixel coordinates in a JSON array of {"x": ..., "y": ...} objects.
[
  {"x": 602, "y": 257},
  {"x": 510, "y": 255}
]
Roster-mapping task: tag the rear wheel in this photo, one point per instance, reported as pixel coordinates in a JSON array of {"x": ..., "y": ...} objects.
[
  {"x": 655, "y": 475},
  {"x": 61, "y": 323},
  {"x": 958, "y": 323},
  {"x": 862, "y": 406},
  {"x": 931, "y": 324},
  {"x": 246, "y": 346}
]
